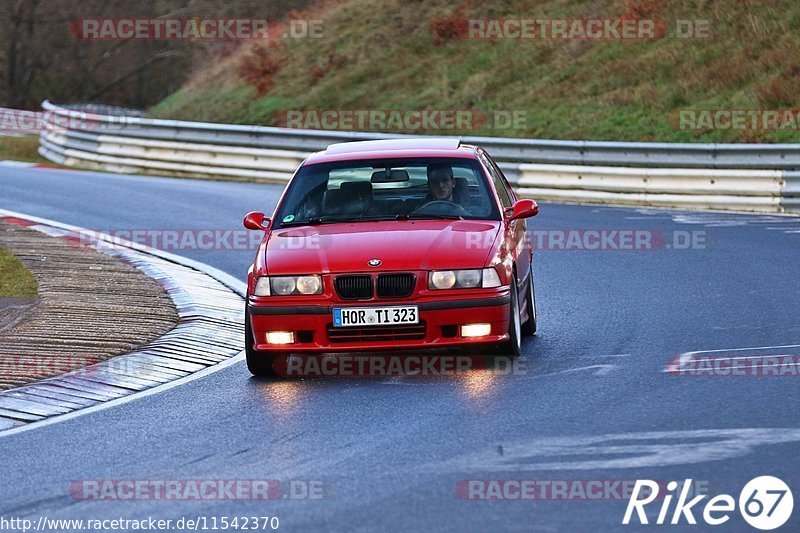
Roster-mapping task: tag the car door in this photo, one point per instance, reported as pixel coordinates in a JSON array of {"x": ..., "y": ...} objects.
[{"x": 516, "y": 234}]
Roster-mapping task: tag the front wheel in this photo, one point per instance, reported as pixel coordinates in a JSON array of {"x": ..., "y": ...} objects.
[
  {"x": 513, "y": 346},
  {"x": 258, "y": 363}
]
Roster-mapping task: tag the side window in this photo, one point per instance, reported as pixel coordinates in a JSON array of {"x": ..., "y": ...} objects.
[
  {"x": 510, "y": 190},
  {"x": 497, "y": 179}
]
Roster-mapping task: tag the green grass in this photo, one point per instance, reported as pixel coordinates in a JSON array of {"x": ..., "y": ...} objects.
[
  {"x": 386, "y": 55},
  {"x": 21, "y": 149},
  {"x": 15, "y": 280}
]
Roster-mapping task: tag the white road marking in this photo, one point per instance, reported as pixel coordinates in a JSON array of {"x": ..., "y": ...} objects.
[
  {"x": 640, "y": 450},
  {"x": 602, "y": 370},
  {"x": 748, "y": 367},
  {"x": 737, "y": 358},
  {"x": 746, "y": 349}
]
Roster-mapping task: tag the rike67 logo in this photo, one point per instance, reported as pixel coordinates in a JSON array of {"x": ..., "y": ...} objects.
[{"x": 765, "y": 503}]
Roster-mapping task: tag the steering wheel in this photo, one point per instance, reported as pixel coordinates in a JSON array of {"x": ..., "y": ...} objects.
[{"x": 440, "y": 207}]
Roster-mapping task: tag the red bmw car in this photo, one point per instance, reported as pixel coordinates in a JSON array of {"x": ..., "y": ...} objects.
[{"x": 397, "y": 244}]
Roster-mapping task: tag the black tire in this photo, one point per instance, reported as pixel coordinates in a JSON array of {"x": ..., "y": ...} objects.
[
  {"x": 513, "y": 346},
  {"x": 259, "y": 364},
  {"x": 529, "y": 327}
]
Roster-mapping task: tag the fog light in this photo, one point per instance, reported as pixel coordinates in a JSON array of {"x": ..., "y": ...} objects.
[
  {"x": 476, "y": 330},
  {"x": 280, "y": 337}
]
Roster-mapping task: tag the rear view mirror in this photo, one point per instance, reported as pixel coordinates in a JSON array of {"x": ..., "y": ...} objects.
[
  {"x": 389, "y": 176},
  {"x": 256, "y": 220},
  {"x": 522, "y": 209}
]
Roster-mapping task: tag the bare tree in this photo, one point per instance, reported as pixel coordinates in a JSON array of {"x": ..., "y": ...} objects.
[{"x": 41, "y": 58}]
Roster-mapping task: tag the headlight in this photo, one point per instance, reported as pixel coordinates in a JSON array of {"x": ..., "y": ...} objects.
[
  {"x": 284, "y": 286},
  {"x": 288, "y": 285},
  {"x": 468, "y": 278},
  {"x": 463, "y": 279},
  {"x": 262, "y": 287},
  {"x": 309, "y": 284},
  {"x": 444, "y": 279},
  {"x": 490, "y": 278}
]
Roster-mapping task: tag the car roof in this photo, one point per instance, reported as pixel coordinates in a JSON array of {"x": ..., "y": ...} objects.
[{"x": 394, "y": 148}]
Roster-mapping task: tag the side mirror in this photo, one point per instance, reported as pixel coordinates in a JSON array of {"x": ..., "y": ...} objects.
[
  {"x": 256, "y": 220},
  {"x": 522, "y": 209}
]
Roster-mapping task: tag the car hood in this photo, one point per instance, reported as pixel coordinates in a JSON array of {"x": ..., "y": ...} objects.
[{"x": 399, "y": 245}]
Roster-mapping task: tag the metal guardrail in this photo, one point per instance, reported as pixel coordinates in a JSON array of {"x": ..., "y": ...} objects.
[
  {"x": 671, "y": 155},
  {"x": 757, "y": 177}
]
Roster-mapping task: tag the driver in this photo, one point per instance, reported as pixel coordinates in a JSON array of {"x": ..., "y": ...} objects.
[{"x": 441, "y": 183}]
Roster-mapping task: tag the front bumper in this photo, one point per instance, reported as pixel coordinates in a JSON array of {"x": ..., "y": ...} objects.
[{"x": 439, "y": 327}]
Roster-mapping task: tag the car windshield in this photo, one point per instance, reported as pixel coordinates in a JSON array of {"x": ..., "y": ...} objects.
[{"x": 388, "y": 189}]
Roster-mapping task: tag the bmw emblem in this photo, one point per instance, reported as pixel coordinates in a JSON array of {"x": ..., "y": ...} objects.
[{"x": 374, "y": 262}]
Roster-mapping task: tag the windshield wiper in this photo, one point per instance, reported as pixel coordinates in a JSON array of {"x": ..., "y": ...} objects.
[
  {"x": 315, "y": 221},
  {"x": 428, "y": 217}
]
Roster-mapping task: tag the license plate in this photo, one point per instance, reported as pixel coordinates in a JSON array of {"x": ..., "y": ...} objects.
[{"x": 374, "y": 316}]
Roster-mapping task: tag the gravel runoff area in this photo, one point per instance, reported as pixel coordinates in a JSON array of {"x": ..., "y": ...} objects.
[{"x": 91, "y": 306}]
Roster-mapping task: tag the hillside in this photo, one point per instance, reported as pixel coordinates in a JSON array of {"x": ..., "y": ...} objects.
[{"x": 413, "y": 55}]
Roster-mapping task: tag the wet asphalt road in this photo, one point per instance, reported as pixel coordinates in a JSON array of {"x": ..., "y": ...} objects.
[{"x": 591, "y": 400}]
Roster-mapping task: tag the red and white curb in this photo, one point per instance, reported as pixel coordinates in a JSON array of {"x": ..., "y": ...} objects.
[{"x": 208, "y": 337}]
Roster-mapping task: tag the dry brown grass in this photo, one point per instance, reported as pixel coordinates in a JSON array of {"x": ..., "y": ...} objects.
[{"x": 394, "y": 55}]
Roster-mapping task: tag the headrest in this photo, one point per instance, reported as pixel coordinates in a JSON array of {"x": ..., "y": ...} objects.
[
  {"x": 461, "y": 190},
  {"x": 359, "y": 189},
  {"x": 336, "y": 201}
]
